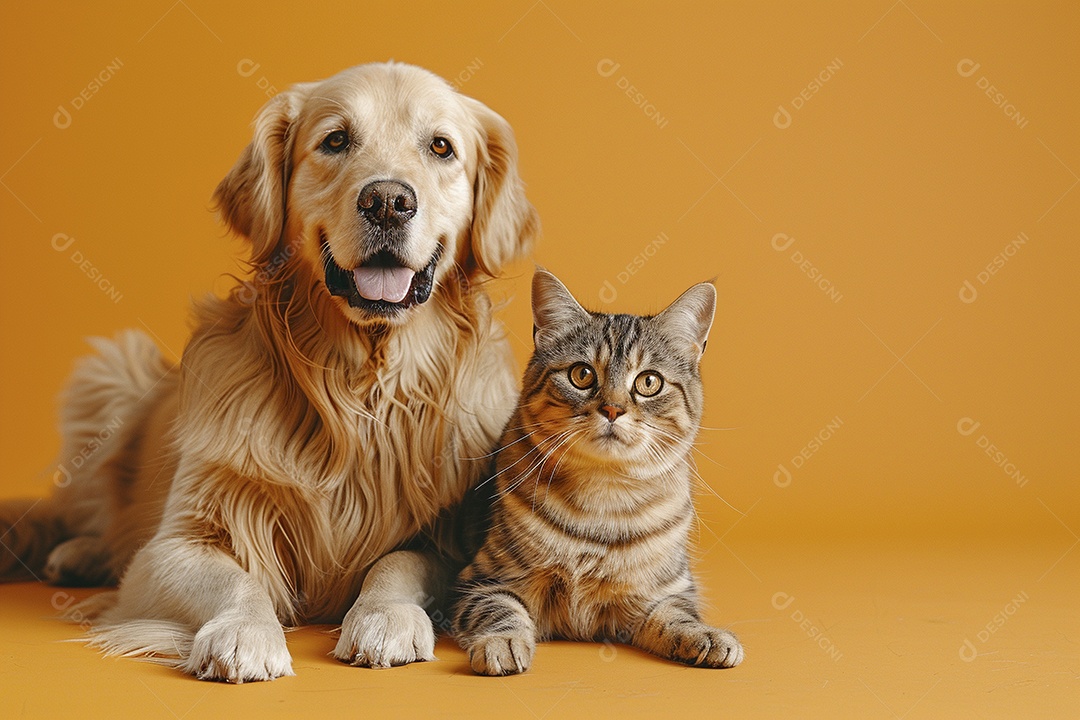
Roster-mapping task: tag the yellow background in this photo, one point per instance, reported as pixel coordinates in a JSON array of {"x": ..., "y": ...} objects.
[{"x": 899, "y": 180}]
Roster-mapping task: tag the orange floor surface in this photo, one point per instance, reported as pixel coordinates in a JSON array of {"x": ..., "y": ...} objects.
[{"x": 869, "y": 630}]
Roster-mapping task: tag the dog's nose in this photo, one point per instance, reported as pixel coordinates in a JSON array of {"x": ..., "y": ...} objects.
[
  {"x": 387, "y": 203},
  {"x": 612, "y": 412}
]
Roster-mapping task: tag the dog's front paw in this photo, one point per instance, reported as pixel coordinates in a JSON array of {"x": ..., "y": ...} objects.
[
  {"x": 504, "y": 654},
  {"x": 706, "y": 646},
  {"x": 385, "y": 634},
  {"x": 239, "y": 650}
]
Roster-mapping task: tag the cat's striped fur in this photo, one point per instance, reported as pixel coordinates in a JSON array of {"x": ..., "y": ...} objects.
[{"x": 591, "y": 497}]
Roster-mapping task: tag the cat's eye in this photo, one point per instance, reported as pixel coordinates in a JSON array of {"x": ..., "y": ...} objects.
[
  {"x": 582, "y": 376},
  {"x": 648, "y": 383},
  {"x": 442, "y": 148},
  {"x": 335, "y": 142}
]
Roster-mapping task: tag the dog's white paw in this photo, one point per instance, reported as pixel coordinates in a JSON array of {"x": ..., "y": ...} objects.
[
  {"x": 385, "y": 634},
  {"x": 239, "y": 650},
  {"x": 505, "y": 654}
]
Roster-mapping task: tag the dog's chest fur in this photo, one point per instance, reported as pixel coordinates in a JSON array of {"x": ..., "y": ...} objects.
[{"x": 339, "y": 462}]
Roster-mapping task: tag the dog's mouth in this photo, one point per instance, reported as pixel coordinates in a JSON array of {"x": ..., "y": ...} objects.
[{"x": 383, "y": 284}]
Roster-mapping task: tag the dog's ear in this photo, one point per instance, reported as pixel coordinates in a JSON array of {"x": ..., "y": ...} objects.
[
  {"x": 251, "y": 198},
  {"x": 505, "y": 224}
]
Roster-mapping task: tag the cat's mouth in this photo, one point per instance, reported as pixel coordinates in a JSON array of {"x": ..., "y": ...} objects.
[
  {"x": 612, "y": 439},
  {"x": 609, "y": 433}
]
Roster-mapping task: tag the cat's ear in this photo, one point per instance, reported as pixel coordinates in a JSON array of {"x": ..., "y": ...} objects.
[
  {"x": 554, "y": 308},
  {"x": 691, "y": 316}
]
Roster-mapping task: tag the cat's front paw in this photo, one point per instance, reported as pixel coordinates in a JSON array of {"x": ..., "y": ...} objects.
[
  {"x": 709, "y": 647},
  {"x": 385, "y": 634},
  {"x": 501, "y": 654}
]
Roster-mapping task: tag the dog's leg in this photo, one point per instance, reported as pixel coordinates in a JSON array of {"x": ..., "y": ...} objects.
[
  {"x": 388, "y": 624},
  {"x": 238, "y": 637}
]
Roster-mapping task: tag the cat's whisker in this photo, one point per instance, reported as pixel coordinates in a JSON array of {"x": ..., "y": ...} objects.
[
  {"x": 689, "y": 465},
  {"x": 524, "y": 475},
  {"x": 522, "y": 427},
  {"x": 540, "y": 472},
  {"x": 678, "y": 443},
  {"x": 669, "y": 468},
  {"x": 535, "y": 448},
  {"x": 709, "y": 458},
  {"x": 697, "y": 523},
  {"x": 556, "y": 468},
  {"x": 576, "y": 437},
  {"x": 666, "y": 433},
  {"x": 679, "y": 440},
  {"x": 707, "y": 486},
  {"x": 498, "y": 450},
  {"x": 568, "y": 436}
]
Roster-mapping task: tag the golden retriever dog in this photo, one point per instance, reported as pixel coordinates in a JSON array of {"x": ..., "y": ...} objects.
[{"x": 324, "y": 415}]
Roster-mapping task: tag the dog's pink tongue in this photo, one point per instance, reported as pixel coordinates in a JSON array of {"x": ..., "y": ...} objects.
[{"x": 383, "y": 283}]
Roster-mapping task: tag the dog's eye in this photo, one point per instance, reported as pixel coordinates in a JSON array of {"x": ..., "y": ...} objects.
[
  {"x": 582, "y": 376},
  {"x": 442, "y": 147},
  {"x": 648, "y": 383},
  {"x": 335, "y": 142}
]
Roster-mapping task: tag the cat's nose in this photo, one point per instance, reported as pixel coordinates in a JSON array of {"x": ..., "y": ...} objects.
[{"x": 612, "y": 411}]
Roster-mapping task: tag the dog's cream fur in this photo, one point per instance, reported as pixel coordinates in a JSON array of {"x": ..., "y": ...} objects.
[{"x": 274, "y": 476}]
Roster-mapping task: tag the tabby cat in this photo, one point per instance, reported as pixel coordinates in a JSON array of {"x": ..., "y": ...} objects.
[{"x": 591, "y": 507}]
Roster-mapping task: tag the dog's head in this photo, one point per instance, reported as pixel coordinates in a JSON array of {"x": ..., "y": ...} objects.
[{"x": 385, "y": 180}]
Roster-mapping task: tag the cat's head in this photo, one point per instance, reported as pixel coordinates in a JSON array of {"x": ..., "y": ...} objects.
[{"x": 620, "y": 390}]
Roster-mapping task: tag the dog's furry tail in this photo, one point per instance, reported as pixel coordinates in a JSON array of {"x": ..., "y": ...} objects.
[
  {"x": 110, "y": 386},
  {"x": 102, "y": 405},
  {"x": 159, "y": 641}
]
